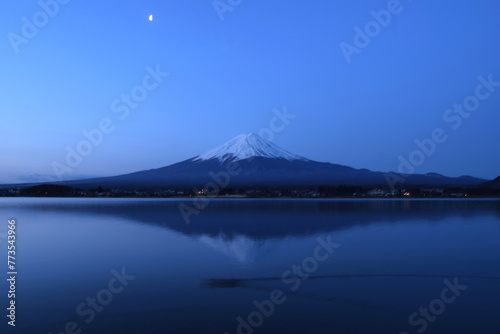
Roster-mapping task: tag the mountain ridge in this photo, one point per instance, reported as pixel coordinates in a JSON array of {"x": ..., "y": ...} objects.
[
  {"x": 494, "y": 184},
  {"x": 249, "y": 160}
]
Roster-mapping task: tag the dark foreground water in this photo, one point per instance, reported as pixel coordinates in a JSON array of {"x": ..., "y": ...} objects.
[{"x": 253, "y": 266}]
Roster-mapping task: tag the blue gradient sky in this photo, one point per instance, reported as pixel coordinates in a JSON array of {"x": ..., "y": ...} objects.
[{"x": 227, "y": 76}]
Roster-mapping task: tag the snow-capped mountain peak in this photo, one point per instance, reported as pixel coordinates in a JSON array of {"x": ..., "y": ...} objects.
[{"x": 247, "y": 146}]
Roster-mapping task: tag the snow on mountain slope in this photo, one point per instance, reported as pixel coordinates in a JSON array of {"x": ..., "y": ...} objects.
[{"x": 246, "y": 146}]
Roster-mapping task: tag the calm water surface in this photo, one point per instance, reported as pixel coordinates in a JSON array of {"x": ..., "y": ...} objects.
[{"x": 373, "y": 266}]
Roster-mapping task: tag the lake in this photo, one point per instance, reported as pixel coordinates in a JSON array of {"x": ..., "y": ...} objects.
[{"x": 253, "y": 266}]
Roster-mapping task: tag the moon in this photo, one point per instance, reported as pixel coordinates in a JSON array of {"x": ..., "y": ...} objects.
[{"x": 151, "y": 17}]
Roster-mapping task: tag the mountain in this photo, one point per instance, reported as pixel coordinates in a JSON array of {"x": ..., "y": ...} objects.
[
  {"x": 494, "y": 184},
  {"x": 245, "y": 147},
  {"x": 251, "y": 161}
]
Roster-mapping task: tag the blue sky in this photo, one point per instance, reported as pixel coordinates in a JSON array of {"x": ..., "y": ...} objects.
[{"x": 226, "y": 77}]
